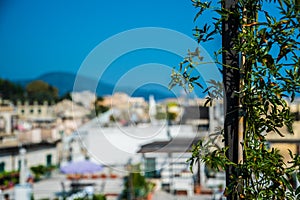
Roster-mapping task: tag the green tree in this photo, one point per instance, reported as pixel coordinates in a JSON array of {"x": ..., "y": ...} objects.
[
  {"x": 66, "y": 96},
  {"x": 99, "y": 108},
  {"x": 166, "y": 114},
  {"x": 135, "y": 185},
  {"x": 40, "y": 91},
  {"x": 10, "y": 90},
  {"x": 261, "y": 51}
]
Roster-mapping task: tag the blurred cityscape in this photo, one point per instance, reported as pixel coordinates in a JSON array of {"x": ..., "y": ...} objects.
[{"x": 142, "y": 147}]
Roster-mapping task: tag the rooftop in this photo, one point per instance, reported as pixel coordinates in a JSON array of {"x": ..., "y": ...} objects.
[{"x": 169, "y": 146}]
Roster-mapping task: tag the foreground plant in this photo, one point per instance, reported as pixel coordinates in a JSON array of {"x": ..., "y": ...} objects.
[{"x": 266, "y": 47}]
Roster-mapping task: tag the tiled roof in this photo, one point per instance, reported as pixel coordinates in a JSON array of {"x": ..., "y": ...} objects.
[
  {"x": 195, "y": 113},
  {"x": 171, "y": 146}
]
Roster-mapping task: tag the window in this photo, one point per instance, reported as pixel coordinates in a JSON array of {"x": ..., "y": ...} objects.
[
  {"x": 49, "y": 160},
  {"x": 2, "y": 166},
  {"x": 150, "y": 171},
  {"x": 2, "y": 124},
  {"x": 19, "y": 165},
  {"x": 297, "y": 116},
  {"x": 203, "y": 127}
]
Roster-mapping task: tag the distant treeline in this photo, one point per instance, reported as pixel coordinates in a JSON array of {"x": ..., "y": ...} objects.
[
  {"x": 10, "y": 90},
  {"x": 36, "y": 91}
]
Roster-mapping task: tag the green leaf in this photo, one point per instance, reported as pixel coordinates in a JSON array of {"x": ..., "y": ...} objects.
[
  {"x": 286, "y": 183},
  {"x": 194, "y": 78},
  {"x": 297, "y": 192},
  {"x": 199, "y": 85}
]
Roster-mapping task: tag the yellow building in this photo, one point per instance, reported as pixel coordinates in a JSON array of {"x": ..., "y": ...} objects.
[{"x": 289, "y": 141}]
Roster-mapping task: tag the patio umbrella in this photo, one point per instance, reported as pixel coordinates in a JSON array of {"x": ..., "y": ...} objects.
[{"x": 81, "y": 167}]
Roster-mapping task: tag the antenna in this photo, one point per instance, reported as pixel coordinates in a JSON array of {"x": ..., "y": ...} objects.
[{"x": 168, "y": 123}]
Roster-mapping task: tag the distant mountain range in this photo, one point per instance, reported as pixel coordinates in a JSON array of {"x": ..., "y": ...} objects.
[{"x": 65, "y": 83}]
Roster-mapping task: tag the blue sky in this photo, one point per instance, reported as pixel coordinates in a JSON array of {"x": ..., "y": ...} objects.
[{"x": 40, "y": 36}]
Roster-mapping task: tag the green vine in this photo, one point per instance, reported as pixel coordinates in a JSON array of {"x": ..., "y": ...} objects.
[{"x": 270, "y": 78}]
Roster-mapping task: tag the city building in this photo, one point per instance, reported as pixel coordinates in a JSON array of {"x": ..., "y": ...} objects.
[
  {"x": 165, "y": 162},
  {"x": 127, "y": 109},
  {"x": 84, "y": 98},
  {"x": 8, "y": 119},
  {"x": 290, "y": 141},
  {"x": 35, "y": 112},
  {"x": 42, "y": 153}
]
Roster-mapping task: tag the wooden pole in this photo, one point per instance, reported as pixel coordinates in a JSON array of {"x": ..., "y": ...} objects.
[{"x": 231, "y": 81}]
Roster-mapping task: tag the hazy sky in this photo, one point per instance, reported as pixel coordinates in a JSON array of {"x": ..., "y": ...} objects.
[{"x": 39, "y": 36}]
